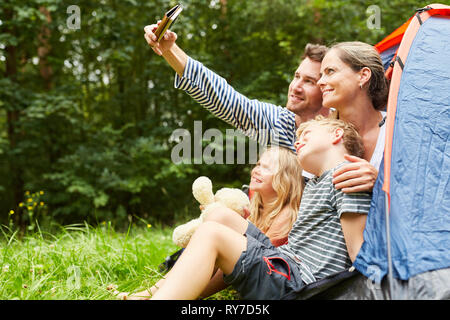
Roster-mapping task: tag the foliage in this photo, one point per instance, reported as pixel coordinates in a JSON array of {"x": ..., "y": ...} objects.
[
  {"x": 52, "y": 266},
  {"x": 80, "y": 262},
  {"x": 86, "y": 114}
]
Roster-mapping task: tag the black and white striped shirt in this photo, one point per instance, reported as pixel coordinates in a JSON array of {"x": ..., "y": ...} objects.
[
  {"x": 316, "y": 240},
  {"x": 266, "y": 123}
]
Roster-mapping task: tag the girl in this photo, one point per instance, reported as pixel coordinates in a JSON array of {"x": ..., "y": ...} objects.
[{"x": 277, "y": 185}]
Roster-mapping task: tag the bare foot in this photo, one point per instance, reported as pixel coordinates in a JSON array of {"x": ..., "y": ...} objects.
[
  {"x": 143, "y": 295},
  {"x": 120, "y": 295}
]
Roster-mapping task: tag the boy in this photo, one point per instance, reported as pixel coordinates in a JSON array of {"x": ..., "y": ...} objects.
[
  {"x": 330, "y": 223},
  {"x": 325, "y": 238}
]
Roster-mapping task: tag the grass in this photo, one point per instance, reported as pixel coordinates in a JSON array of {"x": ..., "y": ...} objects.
[{"x": 80, "y": 262}]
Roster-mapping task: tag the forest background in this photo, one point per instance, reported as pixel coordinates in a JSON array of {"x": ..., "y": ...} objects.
[{"x": 87, "y": 110}]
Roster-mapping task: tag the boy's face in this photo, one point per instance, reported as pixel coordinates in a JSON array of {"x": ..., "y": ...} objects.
[{"x": 313, "y": 144}]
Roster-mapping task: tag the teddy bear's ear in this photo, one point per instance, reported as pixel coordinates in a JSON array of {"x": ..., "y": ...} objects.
[{"x": 202, "y": 190}]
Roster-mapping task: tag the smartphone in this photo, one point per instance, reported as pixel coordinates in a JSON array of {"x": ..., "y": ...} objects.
[{"x": 167, "y": 21}]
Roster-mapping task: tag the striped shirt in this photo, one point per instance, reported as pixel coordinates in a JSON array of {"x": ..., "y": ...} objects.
[
  {"x": 316, "y": 240},
  {"x": 267, "y": 123}
]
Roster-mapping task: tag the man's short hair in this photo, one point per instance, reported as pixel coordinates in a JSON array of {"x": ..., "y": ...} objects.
[
  {"x": 352, "y": 140},
  {"x": 315, "y": 52}
]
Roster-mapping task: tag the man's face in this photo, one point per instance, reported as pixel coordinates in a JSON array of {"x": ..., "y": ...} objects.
[{"x": 304, "y": 96}]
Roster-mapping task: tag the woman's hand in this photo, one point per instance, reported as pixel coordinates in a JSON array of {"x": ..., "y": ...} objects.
[
  {"x": 357, "y": 176},
  {"x": 165, "y": 44}
]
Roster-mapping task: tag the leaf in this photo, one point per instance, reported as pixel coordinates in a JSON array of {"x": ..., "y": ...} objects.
[{"x": 101, "y": 199}]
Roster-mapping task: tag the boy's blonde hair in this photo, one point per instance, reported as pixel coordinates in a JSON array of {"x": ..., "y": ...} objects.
[
  {"x": 351, "y": 138},
  {"x": 288, "y": 183}
]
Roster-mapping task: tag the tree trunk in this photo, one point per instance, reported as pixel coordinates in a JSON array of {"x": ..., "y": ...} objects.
[
  {"x": 43, "y": 51},
  {"x": 12, "y": 118},
  {"x": 46, "y": 72}
]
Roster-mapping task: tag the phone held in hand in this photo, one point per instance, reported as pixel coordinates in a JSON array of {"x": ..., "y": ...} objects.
[{"x": 167, "y": 21}]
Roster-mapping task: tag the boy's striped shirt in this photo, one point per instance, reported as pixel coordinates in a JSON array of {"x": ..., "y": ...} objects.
[{"x": 316, "y": 240}]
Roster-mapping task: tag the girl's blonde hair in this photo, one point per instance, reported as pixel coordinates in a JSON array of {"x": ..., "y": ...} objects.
[{"x": 288, "y": 183}]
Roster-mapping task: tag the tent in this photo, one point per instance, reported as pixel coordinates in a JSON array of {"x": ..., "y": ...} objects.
[{"x": 407, "y": 234}]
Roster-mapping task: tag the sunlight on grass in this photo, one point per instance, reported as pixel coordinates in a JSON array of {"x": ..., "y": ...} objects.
[{"x": 80, "y": 262}]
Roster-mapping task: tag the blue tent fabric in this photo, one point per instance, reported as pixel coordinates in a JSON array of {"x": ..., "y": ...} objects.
[
  {"x": 420, "y": 167},
  {"x": 388, "y": 55}
]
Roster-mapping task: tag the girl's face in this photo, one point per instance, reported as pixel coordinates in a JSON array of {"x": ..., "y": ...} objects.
[
  {"x": 339, "y": 83},
  {"x": 262, "y": 174}
]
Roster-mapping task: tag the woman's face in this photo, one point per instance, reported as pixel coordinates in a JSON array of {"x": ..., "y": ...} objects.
[
  {"x": 339, "y": 83},
  {"x": 263, "y": 172}
]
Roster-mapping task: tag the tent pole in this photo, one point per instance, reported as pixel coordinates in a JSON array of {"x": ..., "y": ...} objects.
[{"x": 388, "y": 243}]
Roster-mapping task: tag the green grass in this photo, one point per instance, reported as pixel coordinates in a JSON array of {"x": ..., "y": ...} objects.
[{"x": 80, "y": 262}]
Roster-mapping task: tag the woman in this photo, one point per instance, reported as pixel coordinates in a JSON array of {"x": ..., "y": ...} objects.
[
  {"x": 277, "y": 185},
  {"x": 353, "y": 82}
]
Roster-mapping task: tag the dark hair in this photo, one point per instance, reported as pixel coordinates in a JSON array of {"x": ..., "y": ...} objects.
[
  {"x": 358, "y": 55},
  {"x": 315, "y": 52}
]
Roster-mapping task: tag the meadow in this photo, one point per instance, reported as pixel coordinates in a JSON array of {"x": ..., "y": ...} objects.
[{"x": 82, "y": 262}]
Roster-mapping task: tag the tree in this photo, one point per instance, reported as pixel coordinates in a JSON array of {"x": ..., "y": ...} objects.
[{"x": 87, "y": 114}]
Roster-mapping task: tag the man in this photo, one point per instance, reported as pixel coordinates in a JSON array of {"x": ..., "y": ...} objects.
[{"x": 265, "y": 122}]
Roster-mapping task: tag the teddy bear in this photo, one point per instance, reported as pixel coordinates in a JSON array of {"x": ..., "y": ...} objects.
[{"x": 202, "y": 189}]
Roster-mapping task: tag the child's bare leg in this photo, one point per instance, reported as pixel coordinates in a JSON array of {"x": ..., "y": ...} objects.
[
  {"x": 234, "y": 221},
  {"x": 215, "y": 285},
  {"x": 224, "y": 216},
  {"x": 211, "y": 244},
  {"x": 228, "y": 218}
]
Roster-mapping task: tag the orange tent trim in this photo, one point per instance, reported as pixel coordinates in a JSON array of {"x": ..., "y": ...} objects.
[{"x": 404, "y": 34}]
